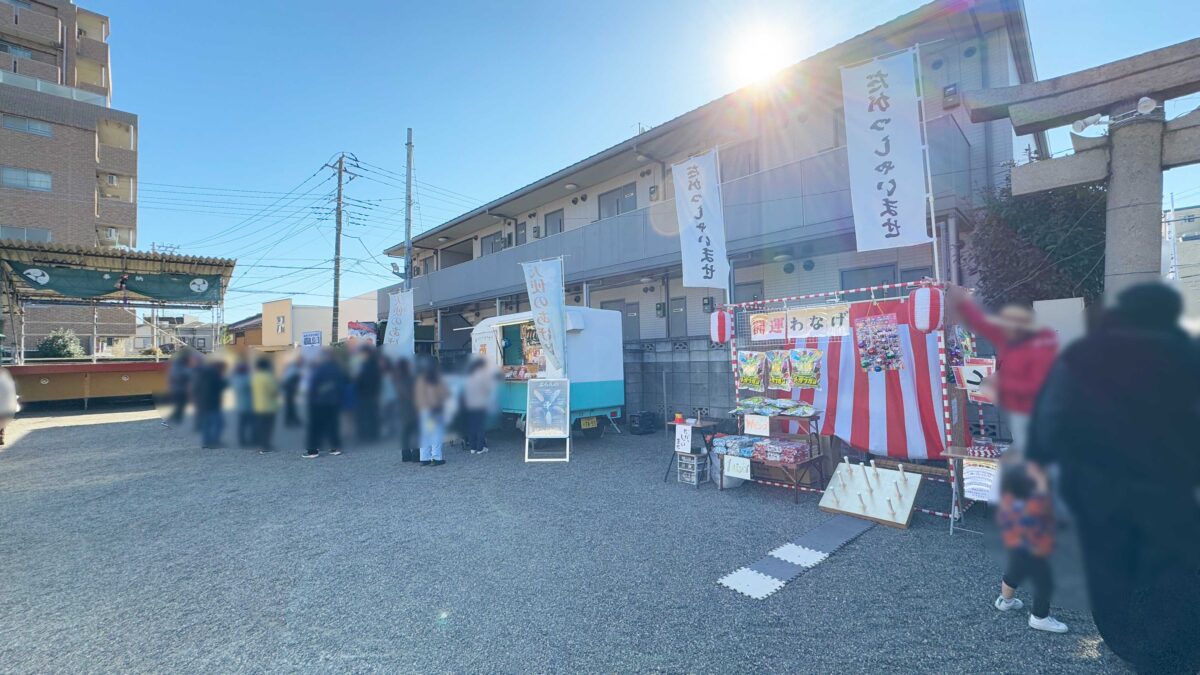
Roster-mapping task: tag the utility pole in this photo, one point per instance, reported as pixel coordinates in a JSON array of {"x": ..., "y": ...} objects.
[
  {"x": 337, "y": 251},
  {"x": 408, "y": 204}
]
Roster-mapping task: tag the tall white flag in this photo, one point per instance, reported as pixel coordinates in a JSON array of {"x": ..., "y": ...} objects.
[
  {"x": 886, "y": 155},
  {"x": 398, "y": 341},
  {"x": 701, "y": 217},
  {"x": 544, "y": 282}
]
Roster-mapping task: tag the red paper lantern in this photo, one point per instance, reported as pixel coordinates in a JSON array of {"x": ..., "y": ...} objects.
[
  {"x": 720, "y": 326},
  {"x": 926, "y": 309}
]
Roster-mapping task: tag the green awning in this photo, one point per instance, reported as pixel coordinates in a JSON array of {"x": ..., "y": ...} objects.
[{"x": 86, "y": 283}]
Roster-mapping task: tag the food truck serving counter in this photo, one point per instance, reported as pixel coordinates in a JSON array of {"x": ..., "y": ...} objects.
[{"x": 595, "y": 363}]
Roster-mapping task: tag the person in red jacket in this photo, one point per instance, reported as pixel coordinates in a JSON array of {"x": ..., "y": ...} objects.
[{"x": 1024, "y": 354}]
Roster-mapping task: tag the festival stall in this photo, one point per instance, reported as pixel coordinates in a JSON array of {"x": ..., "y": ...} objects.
[
  {"x": 870, "y": 372},
  {"x": 594, "y": 360}
]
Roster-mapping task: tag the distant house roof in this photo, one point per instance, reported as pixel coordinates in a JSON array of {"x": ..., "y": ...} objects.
[{"x": 246, "y": 323}]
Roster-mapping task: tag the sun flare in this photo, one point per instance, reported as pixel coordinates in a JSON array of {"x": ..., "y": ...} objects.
[{"x": 757, "y": 53}]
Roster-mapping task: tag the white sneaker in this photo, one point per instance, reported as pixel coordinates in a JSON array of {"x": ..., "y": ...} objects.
[
  {"x": 1005, "y": 605},
  {"x": 472, "y": 451},
  {"x": 483, "y": 451},
  {"x": 1048, "y": 624}
]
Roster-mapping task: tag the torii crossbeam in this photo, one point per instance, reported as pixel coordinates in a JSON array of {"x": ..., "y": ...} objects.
[{"x": 1131, "y": 158}]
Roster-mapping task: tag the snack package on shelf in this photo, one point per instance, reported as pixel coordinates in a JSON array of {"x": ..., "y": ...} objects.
[
  {"x": 802, "y": 410},
  {"x": 786, "y": 451},
  {"x": 732, "y": 444},
  {"x": 781, "y": 403}
]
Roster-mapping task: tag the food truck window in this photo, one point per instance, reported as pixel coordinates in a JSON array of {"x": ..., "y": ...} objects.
[{"x": 513, "y": 355}]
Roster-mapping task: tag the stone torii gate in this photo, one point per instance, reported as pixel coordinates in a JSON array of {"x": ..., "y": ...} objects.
[{"x": 1139, "y": 145}]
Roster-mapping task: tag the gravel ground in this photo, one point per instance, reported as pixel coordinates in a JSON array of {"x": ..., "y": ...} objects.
[{"x": 124, "y": 547}]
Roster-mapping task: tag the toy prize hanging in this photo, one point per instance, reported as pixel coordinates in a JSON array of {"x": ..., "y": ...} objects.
[
  {"x": 878, "y": 340},
  {"x": 779, "y": 375},
  {"x": 750, "y": 370}
]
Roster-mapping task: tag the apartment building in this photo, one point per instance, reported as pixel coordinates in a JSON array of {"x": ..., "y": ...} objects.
[
  {"x": 1186, "y": 221},
  {"x": 786, "y": 192},
  {"x": 68, "y": 160}
]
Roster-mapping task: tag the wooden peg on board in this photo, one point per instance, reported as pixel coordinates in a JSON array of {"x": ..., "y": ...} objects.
[
  {"x": 891, "y": 510},
  {"x": 899, "y": 496},
  {"x": 862, "y": 501},
  {"x": 903, "y": 478}
]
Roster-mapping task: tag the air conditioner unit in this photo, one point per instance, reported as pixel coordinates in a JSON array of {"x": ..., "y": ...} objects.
[
  {"x": 108, "y": 236},
  {"x": 113, "y": 180}
]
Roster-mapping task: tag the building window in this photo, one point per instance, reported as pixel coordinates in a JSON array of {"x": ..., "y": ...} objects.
[
  {"x": 616, "y": 202},
  {"x": 9, "y": 232},
  {"x": 26, "y": 125},
  {"x": 201, "y": 343},
  {"x": 748, "y": 292},
  {"x": 738, "y": 160},
  {"x": 521, "y": 228},
  {"x": 23, "y": 4},
  {"x": 868, "y": 276},
  {"x": 491, "y": 243},
  {"x": 915, "y": 274},
  {"x": 554, "y": 222},
  {"x": 15, "y": 51},
  {"x": 25, "y": 179}
]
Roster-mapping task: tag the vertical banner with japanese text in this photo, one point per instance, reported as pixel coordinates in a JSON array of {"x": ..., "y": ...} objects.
[
  {"x": 544, "y": 282},
  {"x": 885, "y": 152},
  {"x": 400, "y": 334},
  {"x": 701, "y": 217}
]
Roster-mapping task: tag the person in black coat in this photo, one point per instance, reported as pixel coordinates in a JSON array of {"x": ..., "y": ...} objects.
[
  {"x": 326, "y": 392},
  {"x": 208, "y": 388},
  {"x": 1119, "y": 414},
  {"x": 406, "y": 410},
  {"x": 368, "y": 386}
]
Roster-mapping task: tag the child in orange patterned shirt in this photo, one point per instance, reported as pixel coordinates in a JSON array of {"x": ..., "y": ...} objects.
[{"x": 1026, "y": 519}]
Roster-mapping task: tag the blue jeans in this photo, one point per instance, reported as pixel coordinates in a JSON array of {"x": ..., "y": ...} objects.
[
  {"x": 212, "y": 423},
  {"x": 433, "y": 431}
]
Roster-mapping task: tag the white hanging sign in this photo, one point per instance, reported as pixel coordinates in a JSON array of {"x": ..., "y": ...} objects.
[
  {"x": 885, "y": 152},
  {"x": 544, "y": 282},
  {"x": 398, "y": 339},
  {"x": 737, "y": 467},
  {"x": 758, "y": 425},
  {"x": 701, "y": 217}
]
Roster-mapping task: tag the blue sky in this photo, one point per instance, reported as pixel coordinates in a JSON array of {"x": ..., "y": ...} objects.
[{"x": 240, "y": 102}]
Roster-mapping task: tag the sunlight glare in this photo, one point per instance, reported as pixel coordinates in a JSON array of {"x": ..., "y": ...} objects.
[{"x": 757, "y": 53}]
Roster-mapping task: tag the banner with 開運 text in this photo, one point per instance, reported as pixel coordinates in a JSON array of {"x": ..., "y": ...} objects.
[
  {"x": 701, "y": 218},
  {"x": 886, "y": 153}
]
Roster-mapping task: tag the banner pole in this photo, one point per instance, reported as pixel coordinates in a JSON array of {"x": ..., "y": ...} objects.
[{"x": 937, "y": 267}]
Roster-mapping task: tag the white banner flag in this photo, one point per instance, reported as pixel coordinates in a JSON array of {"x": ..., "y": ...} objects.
[
  {"x": 701, "y": 217},
  {"x": 544, "y": 282},
  {"x": 886, "y": 155},
  {"x": 398, "y": 339}
]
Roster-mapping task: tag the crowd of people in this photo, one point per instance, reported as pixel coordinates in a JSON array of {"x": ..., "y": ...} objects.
[{"x": 330, "y": 391}]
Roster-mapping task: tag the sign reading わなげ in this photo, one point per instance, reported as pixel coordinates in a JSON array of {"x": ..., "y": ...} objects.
[
  {"x": 825, "y": 321},
  {"x": 885, "y": 152}
]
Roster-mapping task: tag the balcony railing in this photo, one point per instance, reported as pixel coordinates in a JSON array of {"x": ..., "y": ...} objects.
[
  {"x": 116, "y": 160},
  {"x": 34, "y": 84},
  {"x": 805, "y": 199}
]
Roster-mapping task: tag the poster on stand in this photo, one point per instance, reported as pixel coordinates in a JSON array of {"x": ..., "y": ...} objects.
[
  {"x": 548, "y": 409},
  {"x": 701, "y": 219},
  {"x": 683, "y": 438},
  {"x": 885, "y": 151},
  {"x": 544, "y": 282}
]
